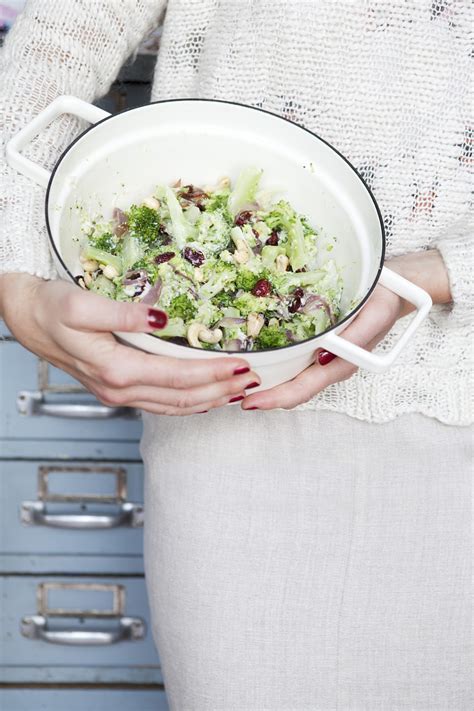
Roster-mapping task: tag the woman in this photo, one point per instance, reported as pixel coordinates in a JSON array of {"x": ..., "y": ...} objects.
[{"x": 312, "y": 559}]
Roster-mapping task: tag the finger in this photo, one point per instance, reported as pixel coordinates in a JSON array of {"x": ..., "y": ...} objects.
[
  {"x": 125, "y": 367},
  {"x": 182, "y": 399},
  {"x": 91, "y": 312},
  {"x": 306, "y": 385},
  {"x": 161, "y": 409}
]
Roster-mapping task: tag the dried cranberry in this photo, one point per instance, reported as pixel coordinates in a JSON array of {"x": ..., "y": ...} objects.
[
  {"x": 295, "y": 305},
  {"x": 165, "y": 257},
  {"x": 262, "y": 288},
  {"x": 243, "y": 217},
  {"x": 273, "y": 239},
  {"x": 298, "y": 292},
  {"x": 194, "y": 256}
]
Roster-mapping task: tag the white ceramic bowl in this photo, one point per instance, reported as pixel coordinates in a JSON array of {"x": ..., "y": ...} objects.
[{"x": 122, "y": 157}]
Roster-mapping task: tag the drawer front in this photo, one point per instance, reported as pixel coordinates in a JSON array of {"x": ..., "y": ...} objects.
[
  {"x": 57, "y": 406},
  {"x": 89, "y": 629},
  {"x": 80, "y": 699},
  {"x": 74, "y": 508}
]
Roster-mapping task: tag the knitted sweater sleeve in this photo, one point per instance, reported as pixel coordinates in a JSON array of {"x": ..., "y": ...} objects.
[
  {"x": 456, "y": 250},
  {"x": 55, "y": 48}
]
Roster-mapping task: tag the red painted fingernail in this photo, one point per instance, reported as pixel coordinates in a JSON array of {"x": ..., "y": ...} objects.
[
  {"x": 157, "y": 318},
  {"x": 236, "y": 399},
  {"x": 202, "y": 412},
  {"x": 252, "y": 385},
  {"x": 252, "y": 408},
  {"x": 325, "y": 357},
  {"x": 241, "y": 371}
]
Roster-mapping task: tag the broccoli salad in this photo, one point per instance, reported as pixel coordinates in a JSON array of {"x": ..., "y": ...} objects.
[{"x": 234, "y": 269}]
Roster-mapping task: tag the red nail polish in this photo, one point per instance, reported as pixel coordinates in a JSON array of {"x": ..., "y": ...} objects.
[
  {"x": 157, "y": 318},
  {"x": 236, "y": 399},
  {"x": 325, "y": 357},
  {"x": 251, "y": 408},
  {"x": 241, "y": 371},
  {"x": 252, "y": 385},
  {"x": 202, "y": 412}
]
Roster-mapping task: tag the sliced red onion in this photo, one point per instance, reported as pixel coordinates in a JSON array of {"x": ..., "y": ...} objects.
[
  {"x": 314, "y": 302},
  {"x": 185, "y": 276},
  {"x": 135, "y": 276},
  {"x": 120, "y": 222},
  {"x": 153, "y": 294},
  {"x": 234, "y": 344},
  {"x": 229, "y": 321}
]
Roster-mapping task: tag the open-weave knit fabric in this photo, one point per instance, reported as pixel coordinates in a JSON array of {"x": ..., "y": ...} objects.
[{"x": 386, "y": 82}]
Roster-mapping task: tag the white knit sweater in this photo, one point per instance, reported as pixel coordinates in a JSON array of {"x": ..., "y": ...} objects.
[{"x": 386, "y": 82}]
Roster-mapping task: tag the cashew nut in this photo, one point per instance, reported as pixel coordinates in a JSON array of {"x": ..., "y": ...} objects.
[
  {"x": 90, "y": 265},
  {"x": 152, "y": 203},
  {"x": 87, "y": 279},
  {"x": 243, "y": 252},
  {"x": 198, "y": 333},
  {"x": 110, "y": 272},
  {"x": 254, "y": 324},
  {"x": 223, "y": 182},
  {"x": 281, "y": 263}
]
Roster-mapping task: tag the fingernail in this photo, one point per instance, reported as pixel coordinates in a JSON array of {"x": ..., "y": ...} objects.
[
  {"x": 202, "y": 412},
  {"x": 252, "y": 385},
  {"x": 157, "y": 318},
  {"x": 251, "y": 408},
  {"x": 241, "y": 371},
  {"x": 236, "y": 399},
  {"x": 325, "y": 357}
]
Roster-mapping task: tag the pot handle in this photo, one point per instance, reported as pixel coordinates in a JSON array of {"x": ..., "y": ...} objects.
[
  {"x": 378, "y": 363},
  {"x": 60, "y": 105}
]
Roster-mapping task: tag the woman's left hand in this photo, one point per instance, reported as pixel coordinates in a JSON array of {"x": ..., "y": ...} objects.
[{"x": 374, "y": 321}]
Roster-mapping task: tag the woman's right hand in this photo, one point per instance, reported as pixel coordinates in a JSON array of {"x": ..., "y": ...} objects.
[{"x": 71, "y": 329}]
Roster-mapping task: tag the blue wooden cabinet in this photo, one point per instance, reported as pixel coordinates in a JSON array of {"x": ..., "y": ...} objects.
[{"x": 74, "y": 612}]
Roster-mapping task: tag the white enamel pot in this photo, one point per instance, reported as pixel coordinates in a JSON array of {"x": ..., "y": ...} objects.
[{"x": 121, "y": 158}]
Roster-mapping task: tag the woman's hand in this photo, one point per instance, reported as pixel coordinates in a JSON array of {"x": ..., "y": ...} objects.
[
  {"x": 71, "y": 329},
  {"x": 370, "y": 326}
]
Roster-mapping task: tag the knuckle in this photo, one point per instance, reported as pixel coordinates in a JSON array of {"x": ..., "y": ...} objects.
[
  {"x": 117, "y": 378},
  {"x": 185, "y": 400},
  {"x": 73, "y": 307},
  {"x": 105, "y": 396}
]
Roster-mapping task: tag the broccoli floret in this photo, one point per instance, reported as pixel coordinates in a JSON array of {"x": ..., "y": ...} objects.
[
  {"x": 218, "y": 203},
  {"x": 246, "y": 280},
  {"x": 302, "y": 326},
  {"x": 224, "y": 299},
  {"x": 182, "y": 307},
  {"x": 248, "y": 303},
  {"x": 218, "y": 276},
  {"x": 272, "y": 337},
  {"x": 106, "y": 242},
  {"x": 144, "y": 222}
]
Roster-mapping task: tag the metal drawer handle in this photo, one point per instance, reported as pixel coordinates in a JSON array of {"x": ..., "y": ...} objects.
[
  {"x": 32, "y": 403},
  {"x": 126, "y": 629},
  {"x": 34, "y": 513}
]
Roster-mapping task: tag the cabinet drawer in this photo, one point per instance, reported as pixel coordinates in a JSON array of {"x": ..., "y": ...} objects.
[
  {"x": 76, "y": 629},
  {"x": 80, "y": 699},
  {"x": 63, "y": 409},
  {"x": 73, "y": 508}
]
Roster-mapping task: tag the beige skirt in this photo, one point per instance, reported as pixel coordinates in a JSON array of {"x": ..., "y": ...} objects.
[{"x": 306, "y": 561}]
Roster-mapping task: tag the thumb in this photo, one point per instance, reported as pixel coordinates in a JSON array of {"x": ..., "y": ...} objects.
[{"x": 91, "y": 312}]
